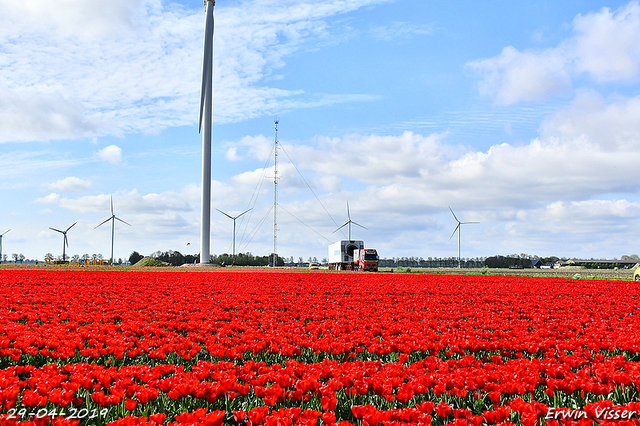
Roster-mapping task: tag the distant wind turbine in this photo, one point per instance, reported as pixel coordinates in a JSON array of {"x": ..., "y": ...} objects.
[
  {"x": 113, "y": 219},
  {"x": 206, "y": 94},
  {"x": 349, "y": 222},
  {"x": 458, "y": 227},
  {"x": 1, "y": 235},
  {"x": 234, "y": 227},
  {"x": 65, "y": 241}
]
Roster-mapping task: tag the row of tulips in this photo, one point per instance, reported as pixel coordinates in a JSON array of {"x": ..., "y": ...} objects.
[
  {"x": 564, "y": 379},
  {"x": 130, "y": 315},
  {"x": 173, "y": 348}
]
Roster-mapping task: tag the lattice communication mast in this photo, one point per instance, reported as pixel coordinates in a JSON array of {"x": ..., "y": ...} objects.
[{"x": 275, "y": 198}]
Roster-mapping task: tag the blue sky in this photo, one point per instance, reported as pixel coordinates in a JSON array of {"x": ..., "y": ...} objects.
[{"x": 522, "y": 116}]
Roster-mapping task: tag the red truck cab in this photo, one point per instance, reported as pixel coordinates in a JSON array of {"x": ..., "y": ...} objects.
[{"x": 367, "y": 260}]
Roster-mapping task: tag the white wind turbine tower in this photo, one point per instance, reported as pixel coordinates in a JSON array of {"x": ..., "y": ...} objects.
[
  {"x": 206, "y": 94},
  {"x": 234, "y": 227},
  {"x": 65, "y": 241},
  {"x": 113, "y": 219},
  {"x": 458, "y": 227},
  {"x": 1, "y": 235},
  {"x": 349, "y": 222}
]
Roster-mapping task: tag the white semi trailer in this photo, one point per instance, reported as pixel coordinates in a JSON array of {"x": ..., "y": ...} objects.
[{"x": 341, "y": 254}]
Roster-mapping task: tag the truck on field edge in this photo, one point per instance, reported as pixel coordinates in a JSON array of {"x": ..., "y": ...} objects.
[
  {"x": 350, "y": 255},
  {"x": 366, "y": 260}
]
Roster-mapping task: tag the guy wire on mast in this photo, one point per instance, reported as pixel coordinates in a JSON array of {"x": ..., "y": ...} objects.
[{"x": 245, "y": 240}]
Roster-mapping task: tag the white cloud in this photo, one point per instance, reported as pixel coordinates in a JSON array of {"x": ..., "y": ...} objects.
[
  {"x": 131, "y": 202},
  {"x": 611, "y": 124},
  {"x": 232, "y": 154},
  {"x": 330, "y": 183},
  {"x": 374, "y": 159},
  {"x": 578, "y": 220},
  {"x": 522, "y": 76},
  {"x": 605, "y": 46},
  {"x": 402, "y": 30},
  {"x": 584, "y": 152},
  {"x": 136, "y": 65},
  {"x": 163, "y": 220},
  {"x": 111, "y": 154},
  {"x": 31, "y": 115},
  {"x": 78, "y": 18},
  {"x": 70, "y": 183},
  {"x": 18, "y": 164},
  {"x": 259, "y": 147},
  {"x": 52, "y": 198}
]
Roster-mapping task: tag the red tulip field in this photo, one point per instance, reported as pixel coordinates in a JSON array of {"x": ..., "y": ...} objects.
[{"x": 192, "y": 347}]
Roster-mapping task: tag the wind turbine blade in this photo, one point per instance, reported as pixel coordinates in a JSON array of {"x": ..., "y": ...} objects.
[
  {"x": 348, "y": 212},
  {"x": 454, "y": 231},
  {"x": 112, "y": 205},
  {"x": 57, "y": 230},
  {"x": 230, "y": 217},
  {"x": 356, "y": 223},
  {"x": 71, "y": 227},
  {"x": 463, "y": 223},
  {"x": 66, "y": 241},
  {"x": 454, "y": 215},
  {"x": 6, "y": 231},
  {"x": 103, "y": 223},
  {"x": 207, "y": 60},
  {"x": 117, "y": 218},
  {"x": 346, "y": 223},
  {"x": 246, "y": 211}
]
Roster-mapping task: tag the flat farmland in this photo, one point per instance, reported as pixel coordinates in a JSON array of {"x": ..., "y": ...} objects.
[
  {"x": 564, "y": 272},
  {"x": 256, "y": 347}
]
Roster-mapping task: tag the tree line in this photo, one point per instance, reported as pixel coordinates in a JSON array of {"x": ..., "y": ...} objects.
[
  {"x": 522, "y": 260},
  {"x": 430, "y": 262},
  {"x": 76, "y": 257},
  {"x": 175, "y": 258}
]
